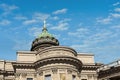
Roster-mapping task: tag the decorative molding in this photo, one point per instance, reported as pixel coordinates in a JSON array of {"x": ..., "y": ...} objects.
[
  {"x": 69, "y": 71},
  {"x": 90, "y": 76},
  {"x": 79, "y": 75},
  {"x": 40, "y": 73},
  {"x": 58, "y": 48},
  {"x": 90, "y": 67},
  {"x": 54, "y": 70},
  {"x": 17, "y": 75},
  {"x": 35, "y": 75},
  {"x": 24, "y": 74}
]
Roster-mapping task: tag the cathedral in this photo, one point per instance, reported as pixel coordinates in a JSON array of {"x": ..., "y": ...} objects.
[{"x": 48, "y": 60}]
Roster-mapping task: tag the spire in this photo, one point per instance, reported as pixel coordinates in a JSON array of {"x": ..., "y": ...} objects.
[{"x": 44, "y": 26}]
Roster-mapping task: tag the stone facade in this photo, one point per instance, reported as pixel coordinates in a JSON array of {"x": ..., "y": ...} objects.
[
  {"x": 49, "y": 61},
  {"x": 60, "y": 61}
]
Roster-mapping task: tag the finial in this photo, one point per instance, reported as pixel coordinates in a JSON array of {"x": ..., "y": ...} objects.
[{"x": 44, "y": 24}]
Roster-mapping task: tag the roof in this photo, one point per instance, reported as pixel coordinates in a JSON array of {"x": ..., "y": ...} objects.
[{"x": 45, "y": 33}]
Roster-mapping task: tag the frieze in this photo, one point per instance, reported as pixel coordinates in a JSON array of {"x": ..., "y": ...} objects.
[
  {"x": 79, "y": 75},
  {"x": 17, "y": 75},
  {"x": 47, "y": 71},
  {"x": 40, "y": 73},
  {"x": 54, "y": 70},
  {"x": 35, "y": 75},
  {"x": 24, "y": 74},
  {"x": 69, "y": 71}
]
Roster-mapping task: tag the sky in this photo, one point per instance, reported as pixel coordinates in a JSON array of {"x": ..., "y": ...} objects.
[{"x": 88, "y": 26}]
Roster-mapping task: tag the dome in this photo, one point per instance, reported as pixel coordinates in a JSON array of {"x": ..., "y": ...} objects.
[
  {"x": 45, "y": 33},
  {"x": 45, "y": 39}
]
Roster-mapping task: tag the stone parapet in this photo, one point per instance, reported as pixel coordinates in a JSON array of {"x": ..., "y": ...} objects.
[{"x": 56, "y": 51}]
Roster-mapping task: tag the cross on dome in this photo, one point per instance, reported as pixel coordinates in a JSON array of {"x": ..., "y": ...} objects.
[{"x": 44, "y": 24}]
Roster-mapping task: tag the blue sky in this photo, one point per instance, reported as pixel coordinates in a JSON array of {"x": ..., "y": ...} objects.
[{"x": 85, "y": 25}]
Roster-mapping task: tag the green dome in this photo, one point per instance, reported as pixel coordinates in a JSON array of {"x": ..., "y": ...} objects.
[
  {"x": 45, "y": 33},
  {"x": 45, "y": 39}
]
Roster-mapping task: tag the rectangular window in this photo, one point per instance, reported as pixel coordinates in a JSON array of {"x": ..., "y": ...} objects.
[
  {"x": 29, "y": 78},
  {"x": 73, "y": 77},
  {"x": 48, "y": 77}
]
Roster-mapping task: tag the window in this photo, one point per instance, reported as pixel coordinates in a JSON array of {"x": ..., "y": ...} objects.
[
  {"x": 73, "y": 77},
  {"x": 29, "y": 78},
  {"x": 48, "y": 77}
]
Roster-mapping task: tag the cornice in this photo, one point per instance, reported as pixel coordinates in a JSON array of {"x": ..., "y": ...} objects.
[
  {"x": 5, "y": 73},
  {"x": 2, "y": 71},
  {"x": 23, "y": 52},
  {"x": 60, "y": 59},
  {"x": 90, "y": 67},
  {"x": 51, "y": 60},
  {"x": 23, "y": 65}
]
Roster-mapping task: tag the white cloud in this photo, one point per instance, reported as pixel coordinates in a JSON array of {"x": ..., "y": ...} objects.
[
  {"x": 79, "y": 47},
  {"x": 115, "y": 15},
  {"x": 65, "y": 20},
  {"x": 101, "y": 42},
  {"x": 117, "y": 3},
  {"x": 80, "y": 32},
  {"x": 99, "y": 37},
  {"x": 62, "y": 25},
  {"x": 34, "y": 31},
  {"x": 5, "y": 22},
  {"x": 37, "y": 17},
  {"x": 28, "y": 22},
  {"x": 7, "y": 8},
  {"x": 117, "y": 9},
  {"x": 111, "y": 16},
  {"x": 57, "y": 36},
  {"x": 104, "y": 20},
  {"x": 22, "y": 44},
  {"x": 61, "y": 11},
  {"x": 116, "y": 26},
  {"x": 55, "y": 18},
  {"x": 40, "y": 16},
  {"x": 19, "y": 17}
]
